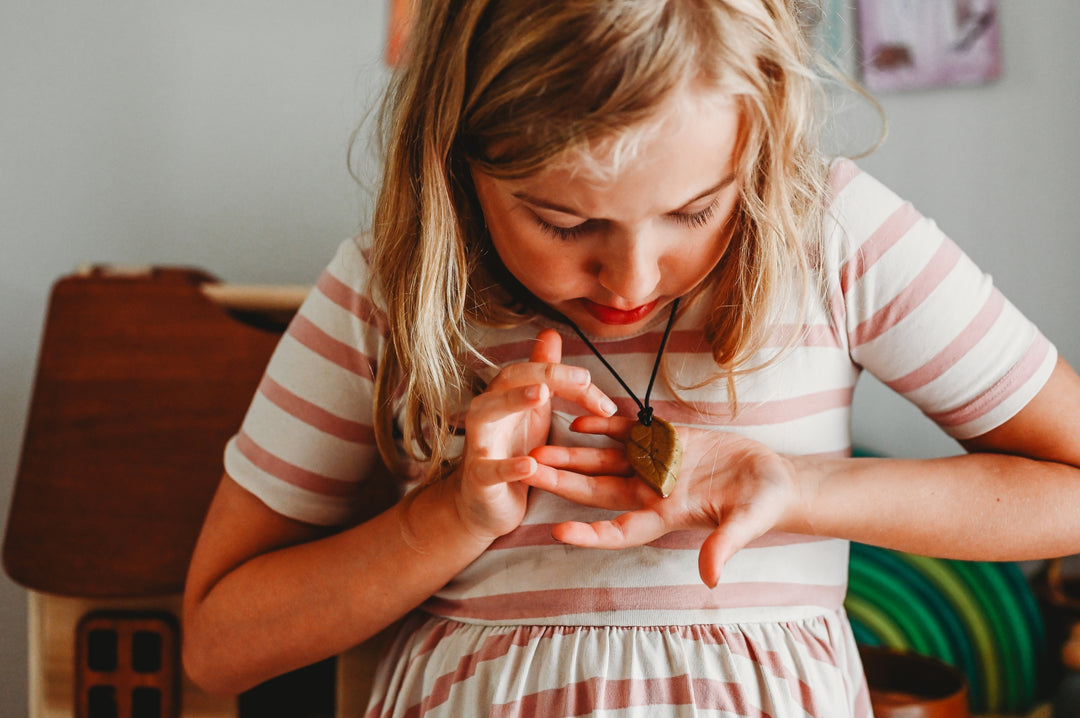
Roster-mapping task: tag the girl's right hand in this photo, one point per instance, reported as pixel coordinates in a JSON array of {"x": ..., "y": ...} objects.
[{"x": 507, "y": 421}]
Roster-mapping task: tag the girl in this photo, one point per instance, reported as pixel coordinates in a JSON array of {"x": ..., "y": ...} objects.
[{"x": 599, "y": 220}]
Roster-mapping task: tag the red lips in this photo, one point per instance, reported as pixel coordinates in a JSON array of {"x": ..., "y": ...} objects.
[{"x": 619, "y": 317}]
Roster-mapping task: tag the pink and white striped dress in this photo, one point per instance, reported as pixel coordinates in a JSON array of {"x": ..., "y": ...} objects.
[{"x": 537, "y": 628}]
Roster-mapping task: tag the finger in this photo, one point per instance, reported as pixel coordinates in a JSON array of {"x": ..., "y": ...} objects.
[
  {"x": 492, "y": 406},
  {"x": 723, "y": 542},
  {"x": 614, "y": 493},
  {"x": 635, "y": 528},
  {"x": 615, "y": 427},
  {"x": 575, "y": 384},
  {"x": 548, "y": 348},
  {"x": 585, "y": 460},
  {"x": 491, "y": 472},
  {"x": 567, "y": 379}
]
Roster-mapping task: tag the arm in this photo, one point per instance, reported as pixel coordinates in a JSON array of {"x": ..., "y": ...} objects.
[
  {"x": 267, "y": 594},
  {"x": 1014, "y": 496}
]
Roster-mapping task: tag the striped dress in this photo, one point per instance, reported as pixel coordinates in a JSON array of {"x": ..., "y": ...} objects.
[{"x": 536, "y": 628}]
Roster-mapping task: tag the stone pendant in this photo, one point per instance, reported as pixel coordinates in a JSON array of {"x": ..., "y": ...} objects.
[{"x": 655, "y": 452}]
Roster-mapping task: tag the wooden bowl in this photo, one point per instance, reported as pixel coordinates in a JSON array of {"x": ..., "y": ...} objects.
[{"x": 909, "y": 685}]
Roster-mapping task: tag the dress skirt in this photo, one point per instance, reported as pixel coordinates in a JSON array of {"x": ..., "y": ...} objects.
[{"x": 443, "y": 668}]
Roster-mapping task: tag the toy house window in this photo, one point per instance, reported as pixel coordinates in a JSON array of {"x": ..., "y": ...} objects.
[{"x": 127, "y": 666}]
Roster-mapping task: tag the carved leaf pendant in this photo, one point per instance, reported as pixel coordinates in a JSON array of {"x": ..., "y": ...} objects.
[{"x": 655, "y": 452}]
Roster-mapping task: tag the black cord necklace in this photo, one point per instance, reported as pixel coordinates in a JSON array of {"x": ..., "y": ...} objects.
[{"x": 654, "y": 448}]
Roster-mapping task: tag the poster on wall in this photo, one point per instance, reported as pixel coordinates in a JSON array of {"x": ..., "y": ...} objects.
[{"x": 922, "y": 44}]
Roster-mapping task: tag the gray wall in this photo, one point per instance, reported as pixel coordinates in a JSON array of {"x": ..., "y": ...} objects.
[
  {"x": 214, "y": 134},
  {"x": 998, "y": 167}
]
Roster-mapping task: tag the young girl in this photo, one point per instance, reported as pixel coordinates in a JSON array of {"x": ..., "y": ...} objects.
[{"x": 599, "y": 220}]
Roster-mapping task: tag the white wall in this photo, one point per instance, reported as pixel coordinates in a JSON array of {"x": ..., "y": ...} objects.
[{"x": 214, "y": 134}]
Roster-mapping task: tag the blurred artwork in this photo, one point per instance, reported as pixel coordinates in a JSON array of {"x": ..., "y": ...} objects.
[
  {"x": 823, "y": 22},
  {"x": 919, "y": 44},
  {"x": 397, "y": 29}
]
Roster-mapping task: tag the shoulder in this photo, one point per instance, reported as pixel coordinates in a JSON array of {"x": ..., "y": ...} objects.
[
  {"x": 347, "y": 284},
  {"x": 857, "y": 203},
  {"x": 351, "y": 265},
  {"x": 864, "y": 220}
]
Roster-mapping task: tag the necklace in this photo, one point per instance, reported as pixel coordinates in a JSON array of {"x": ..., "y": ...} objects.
[{"x": 654, "y": 448}]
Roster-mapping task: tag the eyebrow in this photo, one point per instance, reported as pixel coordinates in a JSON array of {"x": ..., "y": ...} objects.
[{"x": 565, "y": 209}]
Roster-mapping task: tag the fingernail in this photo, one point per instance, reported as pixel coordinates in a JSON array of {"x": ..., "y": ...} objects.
[
  {"x": 579, "y": 375},
  {"x": 532, "y": 392},
  {"x": 608, "y": 406}
]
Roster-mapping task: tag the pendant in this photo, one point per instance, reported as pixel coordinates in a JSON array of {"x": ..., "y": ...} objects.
[{"x": 655, "y": 452}]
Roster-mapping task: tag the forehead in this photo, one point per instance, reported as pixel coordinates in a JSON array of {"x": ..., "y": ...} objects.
[
  {"x": 695, "y": 114},
  {"x": 658, "y": 167}
]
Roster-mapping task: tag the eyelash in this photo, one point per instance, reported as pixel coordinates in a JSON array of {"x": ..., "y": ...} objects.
[{"x": 694, "y": 219}]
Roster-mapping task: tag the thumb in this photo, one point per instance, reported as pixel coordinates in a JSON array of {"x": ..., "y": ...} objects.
[{"x": 729, "y": 537}]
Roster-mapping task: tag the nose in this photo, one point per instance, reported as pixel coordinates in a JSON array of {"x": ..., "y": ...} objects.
[{"x": 630, "y": 268}]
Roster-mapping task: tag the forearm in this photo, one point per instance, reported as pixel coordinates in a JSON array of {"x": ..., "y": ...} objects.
[
  {"x": 979, "y": 506},
  {"x": 296, "y": 605}
]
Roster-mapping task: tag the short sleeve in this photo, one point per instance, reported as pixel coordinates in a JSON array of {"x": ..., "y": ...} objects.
[
  {"x": 922, "y": 317},
  {"x": 307, "y": 443}
]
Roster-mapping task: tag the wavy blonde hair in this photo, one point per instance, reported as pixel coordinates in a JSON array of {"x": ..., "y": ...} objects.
[{"x": 510, "y": 86}]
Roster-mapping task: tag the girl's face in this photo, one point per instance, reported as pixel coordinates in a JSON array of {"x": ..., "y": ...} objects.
[{"x": 610, "y": 253}]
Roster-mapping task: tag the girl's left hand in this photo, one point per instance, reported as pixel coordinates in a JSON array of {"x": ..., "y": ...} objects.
[{"x": 737, "y": 487}]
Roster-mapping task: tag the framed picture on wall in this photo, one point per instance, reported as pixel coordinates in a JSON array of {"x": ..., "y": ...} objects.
[
  {"x": 397, "y": 29},
  {"x": 824, "y": 23},
  {"x": 920, "y": 44}
]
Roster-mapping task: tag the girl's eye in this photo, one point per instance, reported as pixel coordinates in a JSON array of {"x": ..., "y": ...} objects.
[
  {"x": 689, "y": 219},
  {"x": 562, "y": 232},
  {"x": 697, "y": 219}
]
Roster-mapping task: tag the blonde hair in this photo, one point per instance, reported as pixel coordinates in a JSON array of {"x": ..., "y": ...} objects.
[{"x": 510, "y": 86}]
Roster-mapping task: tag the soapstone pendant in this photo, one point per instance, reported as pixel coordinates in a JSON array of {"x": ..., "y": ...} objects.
[{"x": 655, "y": 452}]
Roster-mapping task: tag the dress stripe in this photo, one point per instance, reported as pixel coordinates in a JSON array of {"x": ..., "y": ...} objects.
[
  {"x": 290, "y": 473},
  {"x": 595, "y": 694},
  {"x": 347, "y": 357},
  {"x": 539, "y": 535},
  {"x": 541, "y": 604},
  {"x": 352, "y": 301},
  {"x": 891, "y": 231},
  {"x": 840, "y": 175},
  {"x": 315, "y": 416},
  {"x": 1002, "y": 390},
  {"x": 773, "y": 662},
  {"x": 955, "y": 350},
  {"x": 759, "y": 413},
  {"x": 929, "y": 279}
]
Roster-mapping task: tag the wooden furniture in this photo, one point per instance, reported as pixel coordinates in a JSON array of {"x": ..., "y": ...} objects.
[
  {"x": 141, "y": 379},
  {"x": 1060, "y": 595}
]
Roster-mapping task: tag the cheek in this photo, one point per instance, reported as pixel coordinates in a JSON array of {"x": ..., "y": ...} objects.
[
  {"x": 699, "y": 256},
  {"x": 514, "y": 247},
  {"x": 529, "y": 255}
]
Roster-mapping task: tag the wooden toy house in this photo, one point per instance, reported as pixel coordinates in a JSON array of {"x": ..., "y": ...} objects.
[{"x": 142, "y": 377}]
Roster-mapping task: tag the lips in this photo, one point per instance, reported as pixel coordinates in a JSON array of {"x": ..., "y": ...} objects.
[{"x": 618, "y": 317}]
